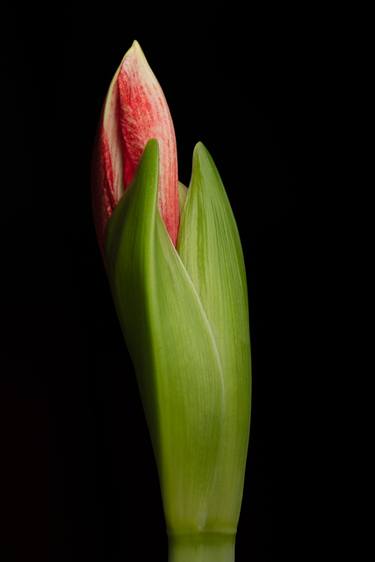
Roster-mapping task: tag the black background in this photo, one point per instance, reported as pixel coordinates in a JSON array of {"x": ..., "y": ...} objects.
[{"x": 79, "y": 480}]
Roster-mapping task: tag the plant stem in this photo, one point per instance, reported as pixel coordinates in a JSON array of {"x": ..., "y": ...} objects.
[{"x": 201, "y": 547}]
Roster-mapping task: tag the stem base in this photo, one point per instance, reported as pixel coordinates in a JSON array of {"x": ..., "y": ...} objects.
[{"x": 202, "y": 547}]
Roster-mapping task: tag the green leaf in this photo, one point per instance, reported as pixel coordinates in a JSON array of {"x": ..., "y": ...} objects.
[
  {"x": 170, "y": 339},
  {"x": 185, "y": 320},
  {"x": 210, "y": 248}
]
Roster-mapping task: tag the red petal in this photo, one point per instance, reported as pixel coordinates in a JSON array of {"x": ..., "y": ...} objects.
[
  {"x": 107, "y": 171},
  {"x": 144, "y": 114},
  {"x": 135, "y": 111}
]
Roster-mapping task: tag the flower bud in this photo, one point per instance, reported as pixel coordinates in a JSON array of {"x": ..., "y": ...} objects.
[
  {"x": 181, "y": 298},
  {"x": 135, "y": 110}
]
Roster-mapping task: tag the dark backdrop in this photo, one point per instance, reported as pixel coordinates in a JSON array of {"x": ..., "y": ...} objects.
[{"x": 79, "y": 476}]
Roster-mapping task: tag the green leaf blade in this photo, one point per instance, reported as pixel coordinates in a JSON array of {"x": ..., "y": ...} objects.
[
  {"x": 210, "y": 248},
  {"x": 171, "y": 342}
]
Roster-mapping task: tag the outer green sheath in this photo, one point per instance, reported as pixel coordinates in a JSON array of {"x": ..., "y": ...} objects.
[
  {"x": 210, "y": 248},
  {"x": 172, "y": 346}
]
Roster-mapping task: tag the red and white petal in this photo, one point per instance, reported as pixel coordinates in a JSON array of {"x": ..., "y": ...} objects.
[
  {"x": 107, "y": 180},
  {"x": 144, "y": 114},
  {"x": 134, "y": 112}
]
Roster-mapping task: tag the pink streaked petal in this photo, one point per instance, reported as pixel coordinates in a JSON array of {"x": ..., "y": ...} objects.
[
  {"x": 107, "y": 181},
  {"x": 144, "y": 114},
  {"x": 135, "y": 110}
]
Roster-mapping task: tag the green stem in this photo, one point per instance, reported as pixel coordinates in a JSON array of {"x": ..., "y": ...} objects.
[{"x": 201, "y": 547}]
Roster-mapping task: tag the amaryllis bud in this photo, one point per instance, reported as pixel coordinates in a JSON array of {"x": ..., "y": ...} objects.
[
  {"x": 135, "y": 110},
  {"x": 182, "y": 308}
]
